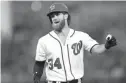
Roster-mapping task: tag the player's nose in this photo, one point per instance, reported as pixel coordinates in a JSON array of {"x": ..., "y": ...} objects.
[{"x": 55, "y": 18}]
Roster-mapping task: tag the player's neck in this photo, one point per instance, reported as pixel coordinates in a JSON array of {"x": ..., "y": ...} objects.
[{"x": 64, "y": 31}]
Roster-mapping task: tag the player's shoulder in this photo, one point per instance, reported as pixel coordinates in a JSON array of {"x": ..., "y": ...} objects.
[
  {"x": 81, "y": 33},
  {"x": 44, "y": 38}
]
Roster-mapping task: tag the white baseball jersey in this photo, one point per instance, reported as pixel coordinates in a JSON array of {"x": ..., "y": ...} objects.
[{"x": 65, "y": 61}]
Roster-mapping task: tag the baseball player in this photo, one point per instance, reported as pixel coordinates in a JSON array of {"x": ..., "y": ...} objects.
[{"x": 62, "y": 49}]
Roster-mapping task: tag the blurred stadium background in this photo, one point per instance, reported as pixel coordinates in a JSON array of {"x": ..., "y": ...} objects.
[{"x": 24, "y": 22}]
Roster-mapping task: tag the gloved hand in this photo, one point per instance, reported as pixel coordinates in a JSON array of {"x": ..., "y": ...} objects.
[
  {"x": 110, "y": 41},
  {"x": 36, "y": 78}
]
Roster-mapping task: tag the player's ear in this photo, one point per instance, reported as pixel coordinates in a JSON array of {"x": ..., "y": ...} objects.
[{"x": 65, "y": 16}]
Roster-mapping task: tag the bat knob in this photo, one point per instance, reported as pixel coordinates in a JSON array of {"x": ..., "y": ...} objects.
[{"x": 109, "y": 36}]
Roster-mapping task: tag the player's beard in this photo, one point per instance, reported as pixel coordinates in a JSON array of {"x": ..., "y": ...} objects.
[{"x": 58, "y": 27}]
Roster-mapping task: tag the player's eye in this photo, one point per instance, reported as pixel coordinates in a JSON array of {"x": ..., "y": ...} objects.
[{"x": 55, "y": 13}]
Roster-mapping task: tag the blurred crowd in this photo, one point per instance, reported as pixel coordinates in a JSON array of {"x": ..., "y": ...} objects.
[{"x": 24, "y": 22}]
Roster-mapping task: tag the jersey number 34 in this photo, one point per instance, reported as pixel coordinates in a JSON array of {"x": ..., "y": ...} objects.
[{"x": 56, "y": 64}]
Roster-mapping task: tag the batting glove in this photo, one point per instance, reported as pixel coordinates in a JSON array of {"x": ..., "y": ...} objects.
[
  {"x": 36, "y": 78},
  {"x": 110, "y": 41}
]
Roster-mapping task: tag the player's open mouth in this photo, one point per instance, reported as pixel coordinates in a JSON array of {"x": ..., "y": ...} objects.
[{"x": 56, "y": 22}]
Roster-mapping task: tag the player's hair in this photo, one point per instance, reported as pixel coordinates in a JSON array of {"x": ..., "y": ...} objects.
[{"x": 68, "y": 19}]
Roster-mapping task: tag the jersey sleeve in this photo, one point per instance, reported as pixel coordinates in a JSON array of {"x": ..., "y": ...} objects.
[
  {"x": 88, "y": 42},
  {"x": 40, "y": 51}
]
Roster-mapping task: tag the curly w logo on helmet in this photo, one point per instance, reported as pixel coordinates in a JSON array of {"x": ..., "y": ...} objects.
[{"x": 52, "y": 7}]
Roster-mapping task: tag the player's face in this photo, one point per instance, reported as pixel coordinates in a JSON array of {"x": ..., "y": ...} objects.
[{"x": 58, "y": 21}]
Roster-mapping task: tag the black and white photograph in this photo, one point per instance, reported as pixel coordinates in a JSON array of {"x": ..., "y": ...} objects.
[{"x": 63, "y": 41}]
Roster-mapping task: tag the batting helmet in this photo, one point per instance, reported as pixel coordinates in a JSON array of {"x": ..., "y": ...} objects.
[{"x": 57, "y": 7}]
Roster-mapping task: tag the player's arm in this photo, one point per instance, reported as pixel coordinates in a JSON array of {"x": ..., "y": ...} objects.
[
  {"x": 110, "y": 42},
  {"x": 38, "y": 70},
  {"x": 98, "y": 49},
  {"x": 40, "y": 59}
]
